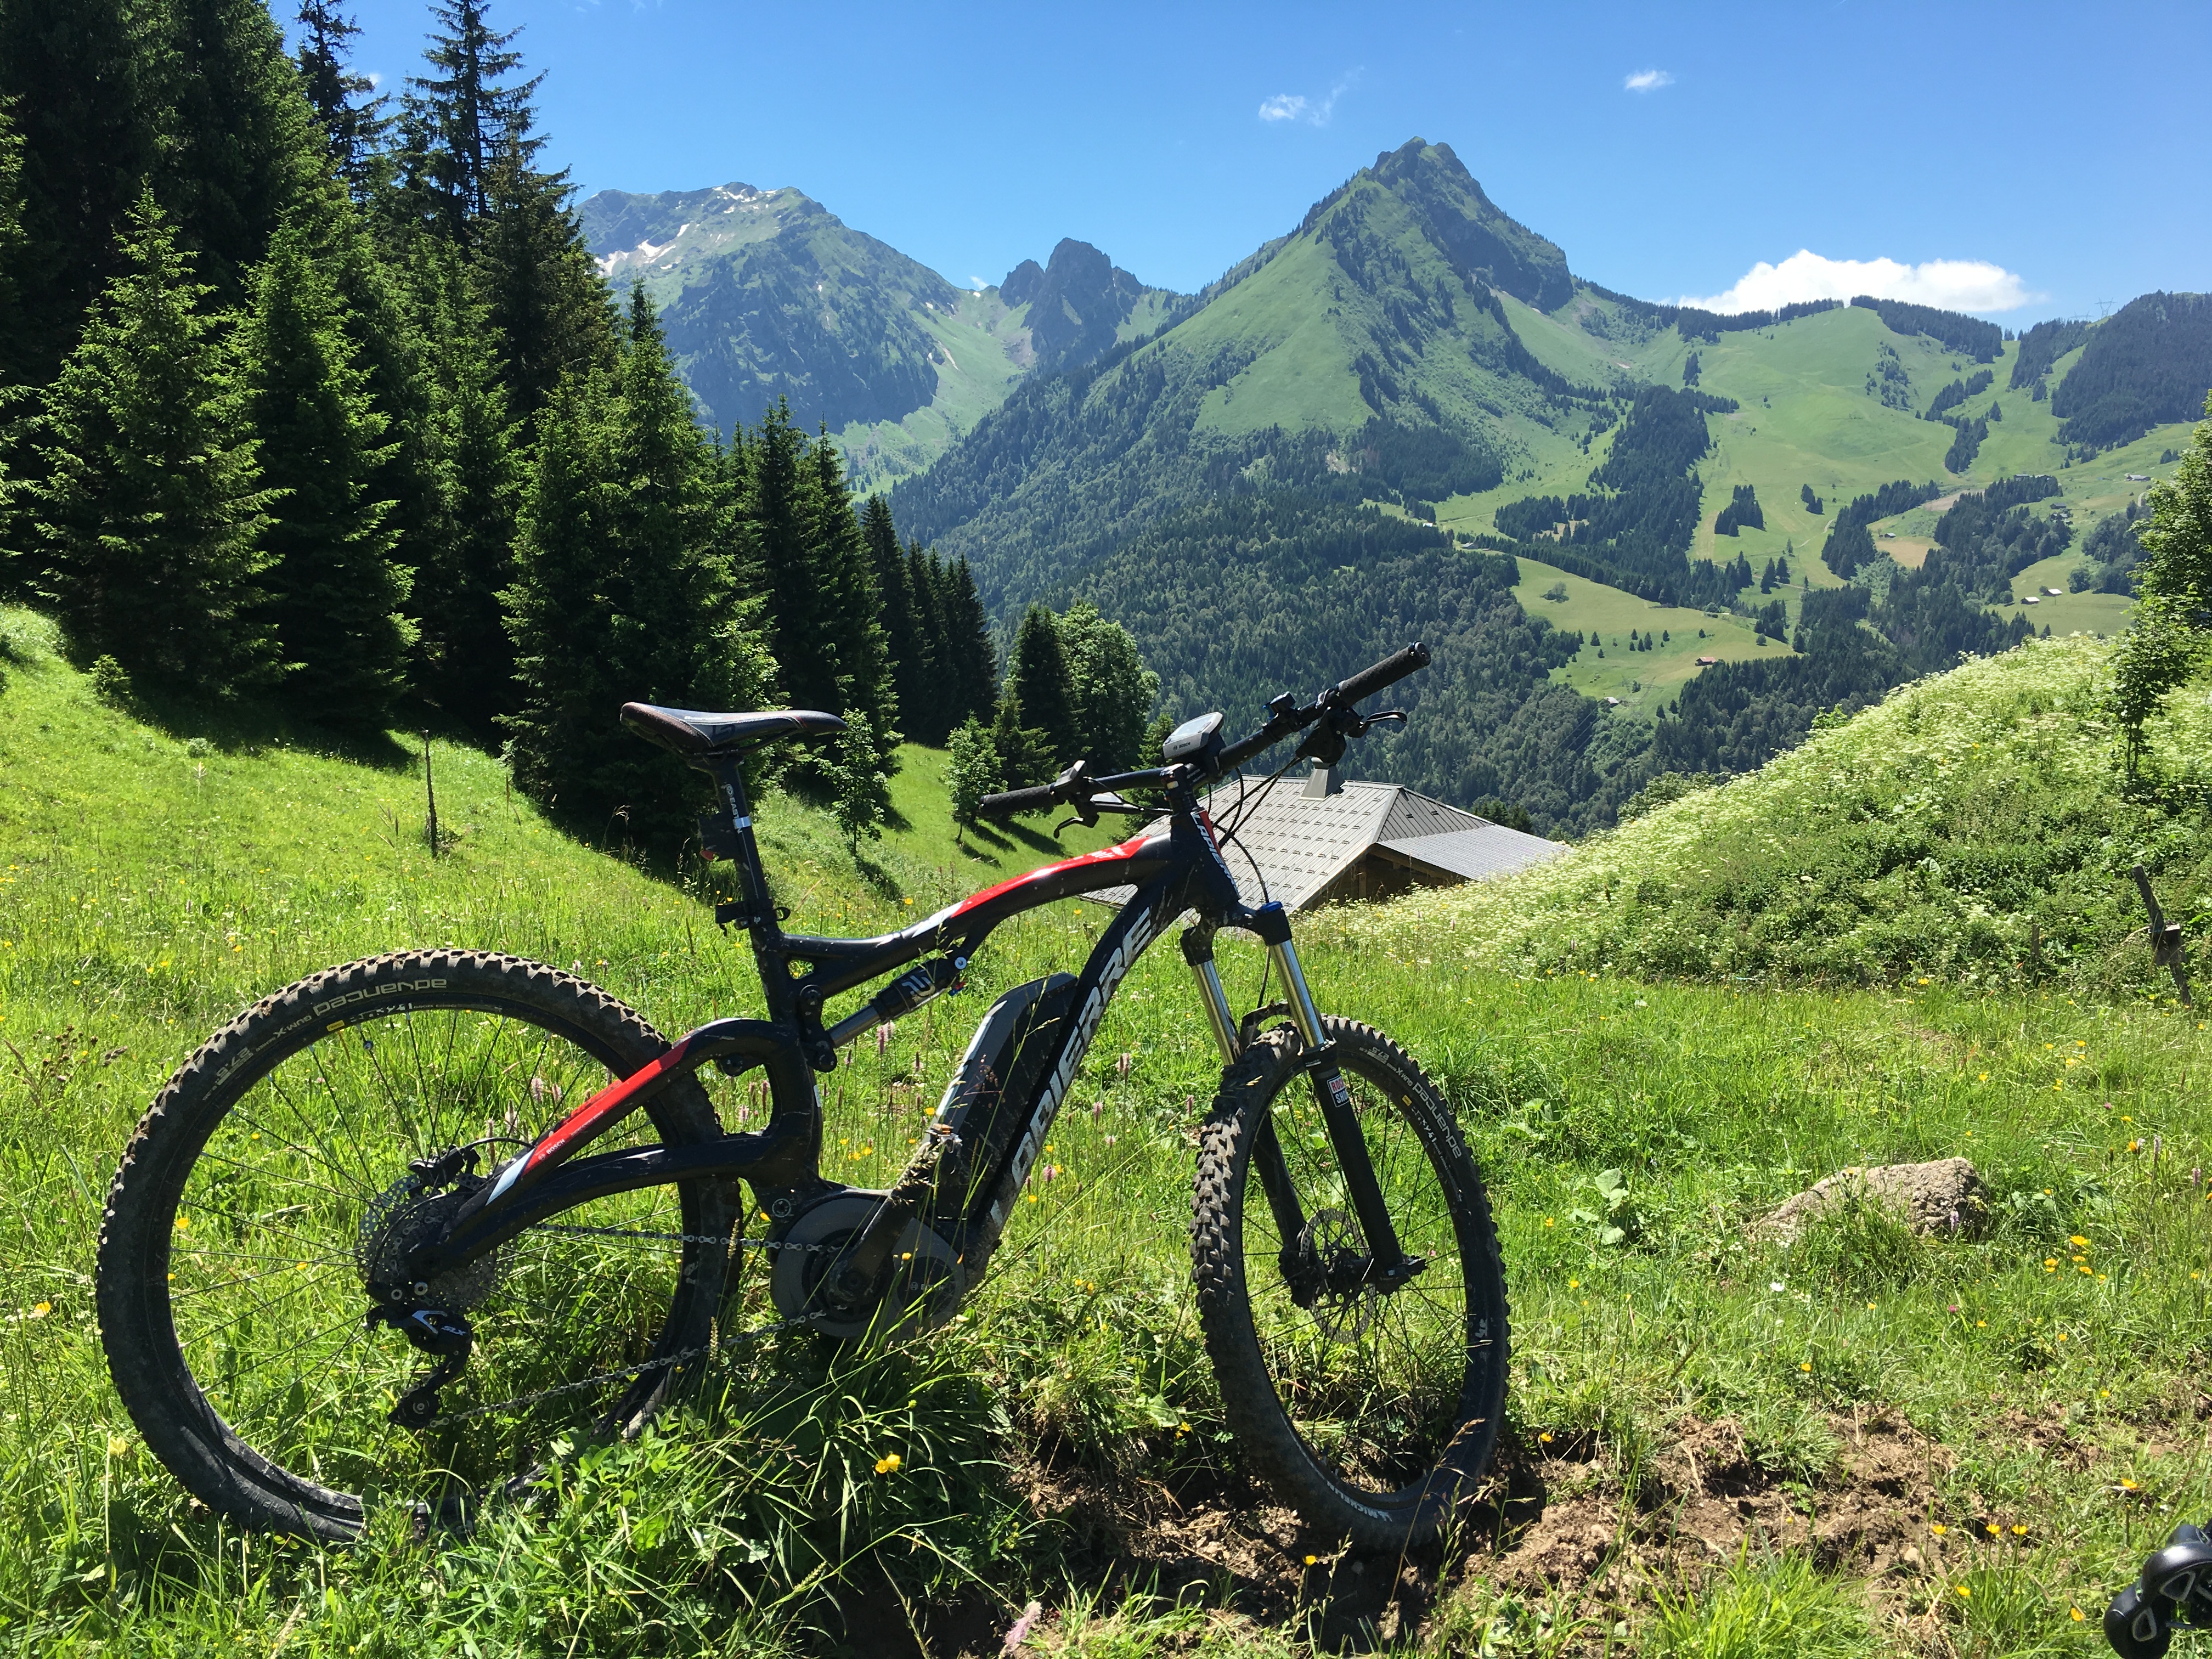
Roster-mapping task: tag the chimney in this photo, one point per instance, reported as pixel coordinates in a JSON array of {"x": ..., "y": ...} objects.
[{"x": 1323, "y": 781}]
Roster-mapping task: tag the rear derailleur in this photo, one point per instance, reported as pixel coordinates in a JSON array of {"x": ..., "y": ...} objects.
[{"x": 414, "y": 1211}]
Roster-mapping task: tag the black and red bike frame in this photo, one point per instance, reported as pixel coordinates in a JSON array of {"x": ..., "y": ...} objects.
[{"x": 1176, "y": 868}]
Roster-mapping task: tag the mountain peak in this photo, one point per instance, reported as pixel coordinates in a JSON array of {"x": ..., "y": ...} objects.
[
  {"x": 1078, "y": 302},
  {"x": 1451, "y": 208}
]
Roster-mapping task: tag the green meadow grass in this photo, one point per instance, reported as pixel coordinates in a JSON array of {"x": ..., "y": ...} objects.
[
  {"x": 1641, "y": 679},
  {"x": 154, "y": 887}
]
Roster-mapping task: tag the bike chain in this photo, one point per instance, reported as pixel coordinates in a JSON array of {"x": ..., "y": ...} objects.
[{"x": 733, "y": 1339}]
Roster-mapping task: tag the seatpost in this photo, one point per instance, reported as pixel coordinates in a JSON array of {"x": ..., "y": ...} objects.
[{"x": 726, "y": 836}]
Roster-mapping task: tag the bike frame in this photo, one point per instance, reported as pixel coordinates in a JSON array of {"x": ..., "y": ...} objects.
[{"x": 1175, "y": 870}]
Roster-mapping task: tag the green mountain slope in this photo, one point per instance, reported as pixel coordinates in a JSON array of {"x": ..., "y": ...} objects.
[
  {"x": 1409, "y": 353},
  {"x": 768, "y": 294}
]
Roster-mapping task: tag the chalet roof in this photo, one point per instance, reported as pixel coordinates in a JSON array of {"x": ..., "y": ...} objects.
[{"x": 1302, "y": 842}]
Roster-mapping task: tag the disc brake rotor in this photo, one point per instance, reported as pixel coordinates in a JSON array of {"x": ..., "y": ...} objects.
[{"x": 1330, "y": 1243}]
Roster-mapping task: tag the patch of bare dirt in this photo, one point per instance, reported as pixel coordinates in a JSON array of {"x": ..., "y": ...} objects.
[{"x": 1555, "y": 1529}]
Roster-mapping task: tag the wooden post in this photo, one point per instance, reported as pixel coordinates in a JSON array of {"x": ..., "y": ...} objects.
[
  {"x": 2165, "y": 938},
  {"x": 430, "y": 795}
]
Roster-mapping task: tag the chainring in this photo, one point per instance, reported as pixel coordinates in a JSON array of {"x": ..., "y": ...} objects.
[
  {"x": 925, "y": 1290},
  {"x": 400, "y": 1220}
]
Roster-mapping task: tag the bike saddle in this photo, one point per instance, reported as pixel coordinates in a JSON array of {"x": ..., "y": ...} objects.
[{"x": 697, "y": 736}]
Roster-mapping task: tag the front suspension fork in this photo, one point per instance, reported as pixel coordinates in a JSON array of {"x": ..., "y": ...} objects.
[{"x": 1271, "y": 923}]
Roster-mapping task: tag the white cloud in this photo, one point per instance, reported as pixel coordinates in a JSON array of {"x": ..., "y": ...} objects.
[
  {"x": 1296, "y": 107},
  {"x": 1950, "y": 284},
  {"x": 1648, "y": 79}
]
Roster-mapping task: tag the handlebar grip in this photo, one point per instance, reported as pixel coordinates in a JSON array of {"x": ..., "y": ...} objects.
[
  {"x": 1039, "y": 799},
  {"x": 1368, "y": 680}
]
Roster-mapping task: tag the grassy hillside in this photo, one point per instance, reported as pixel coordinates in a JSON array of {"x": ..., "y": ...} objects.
[
  {"x": 1711, "y": 1437},
  {"x": 1970, "y": 829},
  {"x": 1806, "y": 418}
]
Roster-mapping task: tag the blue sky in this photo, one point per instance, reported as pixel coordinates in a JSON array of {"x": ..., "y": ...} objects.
[{"x": 2021, "y": 160}]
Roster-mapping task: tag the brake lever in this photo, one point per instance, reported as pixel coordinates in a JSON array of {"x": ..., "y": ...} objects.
[{"x": 1388, "y": 717}]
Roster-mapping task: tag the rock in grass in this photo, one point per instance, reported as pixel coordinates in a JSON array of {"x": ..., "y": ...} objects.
[{"x": 1941, "y": 1197}]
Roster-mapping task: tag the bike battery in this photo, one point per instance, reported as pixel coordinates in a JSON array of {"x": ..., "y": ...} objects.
[{"x": 988, "y": 1101}]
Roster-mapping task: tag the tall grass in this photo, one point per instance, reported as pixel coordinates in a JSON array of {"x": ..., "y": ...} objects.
[{"x": 1631, "y": 1128}]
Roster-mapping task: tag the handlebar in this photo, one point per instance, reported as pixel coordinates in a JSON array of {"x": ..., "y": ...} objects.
[
  {"x": 1286, "y": 718},
  {"x": 1042, "y": 798},
  {"x": 1368, "y": 680}
]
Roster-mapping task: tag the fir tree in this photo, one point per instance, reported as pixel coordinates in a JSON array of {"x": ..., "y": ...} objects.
[
  {"x": 460, "y": 122},
  {"x": 241, "y": 148},
  {"x": 75, "y": 77},
  {"x": 1025, "y": 753},
  {"x": 13, "y": 366},
  {"x": 853, "y": 603},
  {"x": 1037, "y": 680},
  {"x": 150, "y": 511},
  {"x": 540, "y": 285},
  {"x": 805, "y": 639},
  {"x": 622, "y": 594},
  {"x": 337, "y": 593},
  {"x": 466, "y": 654},
  {"x": 353, "y": 125},
  {"x": 380, "y": 301},
  {"x": 970, "y": 671},
  {"x": 896, "y": 605},
  {"x": 934, "y": 711}
]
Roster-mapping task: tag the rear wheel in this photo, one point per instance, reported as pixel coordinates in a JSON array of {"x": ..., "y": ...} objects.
[
  {"x": 273, "y": 1171},
  {"x": 1369, "y": 1409}
]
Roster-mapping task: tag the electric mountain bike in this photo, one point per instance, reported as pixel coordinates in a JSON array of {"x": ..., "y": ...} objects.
[{"x": 399, "y": 1229}]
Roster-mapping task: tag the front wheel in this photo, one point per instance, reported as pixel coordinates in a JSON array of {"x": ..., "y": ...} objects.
[{"x": 1371, "y": 1399}]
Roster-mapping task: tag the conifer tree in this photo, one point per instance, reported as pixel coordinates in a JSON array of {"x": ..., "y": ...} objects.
[
  {"x": 352, "y": 123},
  {"x": 466, "y": 655},
  {"x": 380, "y": 303},
  {"x": 806, "y": 643},
  {"x": 240, "y": 149},
  {"x": 336, "y": 592},
  {"x": 971, "y": 663},
  {"x": 855, "y": 605},
  {"x": 467, "y": 172},
  {"x": 934, "y": 711},
  {"x": 1037, "y": 677},
  {"x": 622, "y": 594},
  {"x": 542, "y": 291},
  {"x": 895, "y": 596},
  {"x": 13, "y": 365},
  {"x": 150, "y": 511},
  {"x": 1024, "y": 751},
  {"x": 460, "y": 122},
  {"x": 75, "y": 77}
]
